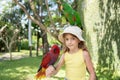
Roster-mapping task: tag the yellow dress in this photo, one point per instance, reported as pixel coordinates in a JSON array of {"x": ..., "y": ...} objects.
[{"x": 75, "y": 66}]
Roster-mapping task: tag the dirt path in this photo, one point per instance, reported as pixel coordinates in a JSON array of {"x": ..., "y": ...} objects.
[{"x": 15, "y": 55}]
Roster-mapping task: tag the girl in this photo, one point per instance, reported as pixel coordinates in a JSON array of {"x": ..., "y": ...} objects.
[{"x": 76, "y": 56}]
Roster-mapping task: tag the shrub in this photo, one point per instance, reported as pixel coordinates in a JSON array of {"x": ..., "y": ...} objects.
[{"x": 25, "y": 45}]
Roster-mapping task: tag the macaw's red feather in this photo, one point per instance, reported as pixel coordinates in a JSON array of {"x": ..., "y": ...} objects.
[
  {"x": 41, "y": 74},
  {"x": 45, "y": 61},
  {"x": 49, "y": 59}
]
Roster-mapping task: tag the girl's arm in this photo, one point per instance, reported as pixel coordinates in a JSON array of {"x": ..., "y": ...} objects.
[
  {"x": 52, "y": 70},
  {"x": 89, "y": 65}
]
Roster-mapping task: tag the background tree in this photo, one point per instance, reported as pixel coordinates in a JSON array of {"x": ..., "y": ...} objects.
[
  {"x": 37, "y": 18},
  {"x": 9, "y": 33},
  {"x": 101, "y": 34},
  {"x": 8, "y": 39},
  {"x": 108, "y": 54}
]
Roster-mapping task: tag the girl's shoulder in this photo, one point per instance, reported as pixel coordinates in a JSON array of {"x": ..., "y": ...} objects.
[
  {"x": 85, "y": 51},
  {"x": 86, "y": 54}
]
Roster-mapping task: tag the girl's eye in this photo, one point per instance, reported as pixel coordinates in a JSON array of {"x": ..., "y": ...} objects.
[
  {"x": 66, "y": 39},
  {"x": 73, "y": 38}
]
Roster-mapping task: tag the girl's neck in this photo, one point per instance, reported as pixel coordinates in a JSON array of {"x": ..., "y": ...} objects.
[{"x": 74, "y": 51}]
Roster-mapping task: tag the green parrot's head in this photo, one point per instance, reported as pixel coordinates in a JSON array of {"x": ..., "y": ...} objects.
[
  {"x": 63, "y": 6},
  {"x": 60, "y": 5}
]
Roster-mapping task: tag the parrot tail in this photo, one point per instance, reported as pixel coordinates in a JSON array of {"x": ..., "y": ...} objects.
[{"x": 41, "y": 74}]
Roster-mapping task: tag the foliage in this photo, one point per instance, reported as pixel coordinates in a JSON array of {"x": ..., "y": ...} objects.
[
  {"x": 25, "y": 45},
  {"x": 52, "y": 40},
  {"x": 13, "y": 22}
]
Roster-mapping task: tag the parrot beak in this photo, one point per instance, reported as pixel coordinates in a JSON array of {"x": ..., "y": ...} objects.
[{"x": 59, "y": 5}]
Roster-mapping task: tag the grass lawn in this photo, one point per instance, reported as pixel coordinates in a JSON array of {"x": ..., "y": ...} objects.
[{"x": 23, "y": 69}]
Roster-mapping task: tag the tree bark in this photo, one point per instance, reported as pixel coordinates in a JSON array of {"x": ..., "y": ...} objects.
[{"x": 44, "y": 42}]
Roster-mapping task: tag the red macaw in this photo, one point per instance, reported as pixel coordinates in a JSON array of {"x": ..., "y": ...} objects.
[{"x": 49, "y": 59}]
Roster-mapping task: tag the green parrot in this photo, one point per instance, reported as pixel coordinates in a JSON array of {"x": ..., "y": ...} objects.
[{"x": 69, "y": 13}]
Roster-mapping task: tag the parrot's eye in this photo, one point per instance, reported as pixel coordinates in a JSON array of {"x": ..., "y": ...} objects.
[{"x": 55, "y": 51}]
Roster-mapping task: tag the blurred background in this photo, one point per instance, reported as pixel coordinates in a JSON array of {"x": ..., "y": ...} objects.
[{"x": 28, "y": 28}]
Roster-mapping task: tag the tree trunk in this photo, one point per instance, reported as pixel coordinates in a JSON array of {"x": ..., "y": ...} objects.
[
  {"x": 10, "y": 53},
  {"x": 30, "y": 49},
  {"x": 101, "y": 19},
  {"x": 38, "y": 36},
  {"x": 45, "y": 43}
]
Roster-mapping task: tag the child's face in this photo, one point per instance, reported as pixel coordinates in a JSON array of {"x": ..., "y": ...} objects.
[{"x": 71, "y": 41}]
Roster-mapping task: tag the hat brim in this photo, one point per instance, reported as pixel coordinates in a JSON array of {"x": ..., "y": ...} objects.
[{"x": 61, "y": 38}]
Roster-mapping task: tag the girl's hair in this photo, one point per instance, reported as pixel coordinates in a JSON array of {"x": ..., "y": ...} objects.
[{"x": 81, "y": 45}]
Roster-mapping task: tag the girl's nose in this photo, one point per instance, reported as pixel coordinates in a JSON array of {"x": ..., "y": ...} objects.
[{"x": 69, "y": 41}]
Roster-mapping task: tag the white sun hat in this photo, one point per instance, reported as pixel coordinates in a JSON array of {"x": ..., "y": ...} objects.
[{"x": 75, "y": 30}]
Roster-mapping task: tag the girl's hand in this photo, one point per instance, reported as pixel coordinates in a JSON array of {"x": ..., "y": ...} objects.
[{"x": 49, "y": 71}]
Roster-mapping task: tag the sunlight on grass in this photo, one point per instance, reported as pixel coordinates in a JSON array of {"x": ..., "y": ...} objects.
[
  {"x": 18, "y": 69},
  {"x": 24, "y": 69},
  {"x": 30, "y": 77}
]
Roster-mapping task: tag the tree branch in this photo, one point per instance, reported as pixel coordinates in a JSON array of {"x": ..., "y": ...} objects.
[
  {"x": 31, "y": 17},
  {"x": 2, "y": 29},
  {"x": 50, "y": 17},
  {"x": 33, "y": 9},
  {"x": 55, "y": 34},
  {"x": 37, "y": 21}
]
